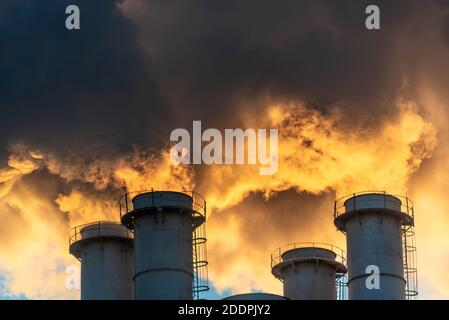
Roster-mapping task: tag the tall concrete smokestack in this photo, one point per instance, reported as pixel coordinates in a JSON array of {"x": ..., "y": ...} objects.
[
  {"x": 105, "y": 250},
  {"x": 309, "y": 271},
  {"x": 379, "y": 230},
  {"x": 167, "y": 246}
]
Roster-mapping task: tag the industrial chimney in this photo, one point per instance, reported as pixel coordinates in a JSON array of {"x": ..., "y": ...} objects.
[
  {"x": 309, "y": 271},
  {"x": 169, "y": 244},
  {"x": 380, "y": 240},
  {"x": 105, "y": 250}
]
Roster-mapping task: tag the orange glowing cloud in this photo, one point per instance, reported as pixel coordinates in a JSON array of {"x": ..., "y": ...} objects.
[{"x": 317, "y": 154}]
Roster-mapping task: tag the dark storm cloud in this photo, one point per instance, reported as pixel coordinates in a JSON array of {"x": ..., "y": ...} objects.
[
  {"x": 211, "y": 53},
  {"x": 63, "y": 89},
  {"x": 99, "y": 87},
  {"x": 444, "y": 5}
]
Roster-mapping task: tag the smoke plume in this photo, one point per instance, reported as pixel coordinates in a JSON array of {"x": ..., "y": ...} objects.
[{"x": 87, "y": 114}]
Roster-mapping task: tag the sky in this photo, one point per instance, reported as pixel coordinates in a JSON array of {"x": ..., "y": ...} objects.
[{"x": 85, "y": 113}]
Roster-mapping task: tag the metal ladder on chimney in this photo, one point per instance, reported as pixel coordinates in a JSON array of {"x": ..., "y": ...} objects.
[
  {"x": 195, "y": 273},
  {"x": 341, "y": 284},
  {"x": 409, "y": 262},
  {"x": 199, "y": 255}
]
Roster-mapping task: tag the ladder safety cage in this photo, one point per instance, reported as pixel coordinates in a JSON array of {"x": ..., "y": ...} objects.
[
  {"x": 200, "y": 263},
  {"x": 410, "y": 262},
  {"x": 342, "y": 286}
]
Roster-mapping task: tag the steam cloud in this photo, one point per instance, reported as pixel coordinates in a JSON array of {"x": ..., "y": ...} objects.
[{"x": 87, "y": 113}]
